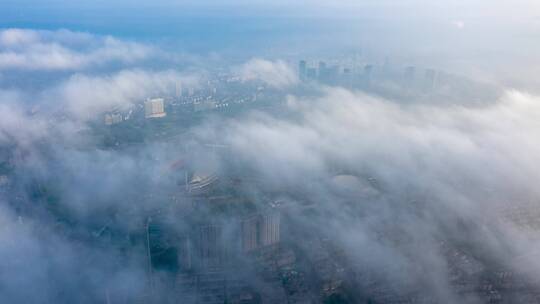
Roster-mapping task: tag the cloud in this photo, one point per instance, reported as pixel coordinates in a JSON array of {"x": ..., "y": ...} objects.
[
  {"x": 387, "y": 182},
  {"x": 445, "y": 174},
  {"x": 277, "y": 74},
  {"x": 65, "y": 50},
  {"x": 57, "y": 113},
  {"x": 45, "y": 266},
  {"x": 453, "y": 147},
  {"x": 16, "y": 122},
  {"x": 459, "y": 24},
  {"x": 85, "y": 96}
]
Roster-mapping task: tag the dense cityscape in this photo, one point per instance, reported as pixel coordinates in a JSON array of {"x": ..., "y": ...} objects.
[{"x": 296, "y": 160}]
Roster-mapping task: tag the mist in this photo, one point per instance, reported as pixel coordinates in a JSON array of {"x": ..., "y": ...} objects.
[{"x": 248, "y": 152}]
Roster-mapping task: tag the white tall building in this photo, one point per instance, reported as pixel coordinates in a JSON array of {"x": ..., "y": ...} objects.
[
  {"x": 113, "y": 118},
  {"x": 269, "y": 230},
  {"x": 260, "y": 231},
  {"x": 154, "y": 108}
]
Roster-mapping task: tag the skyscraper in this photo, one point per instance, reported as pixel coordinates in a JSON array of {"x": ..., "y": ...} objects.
[
  {"x": 210, "y": 246},
  {"x": 430, "y": 79},
  {"x": 368, "y": 70},
  {"x": 302, "y": 69},
  {"x": 311, "y": 73},
  {"x": 260, "y": 230},
  {"x": 250, "y": 233},
  {"x": 323, "y": 72},
  {"x": 177, "y": 90},
  {"x": 269, "y": 229},
  {"x": 154, "y": 108},
  {"x": 408, "y": 78}
]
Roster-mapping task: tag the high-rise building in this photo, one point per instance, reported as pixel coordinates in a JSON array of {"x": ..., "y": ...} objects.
[
  {"x": 113, "y": 118},
  {"x": 210, "y": 246},
  {"x": 311, "y": 73},
  {"x": 250, "y": 233},
  {"x": 185, "y": 92},
  {"x": 269, "y": 229},
  {"x": 368, "y": 71},
  {"x": 409, "y": 75},
  {"x": 430, "y": 79},
  {"x": 177, "y": 90},
  {"x": 332, "y": 74},
  {"x": 347, "y": 78},
  {"x": 322, "y": 66},
  {"x": 323, "y": 72},
  {"x": 154, "y": 108},
  {"x": 185, "y": 254},
  {"x": 260, "y": 231},
  {"x": 302, "y": 70}
]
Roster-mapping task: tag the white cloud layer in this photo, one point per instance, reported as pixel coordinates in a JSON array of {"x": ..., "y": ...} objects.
[
  {"x": 493, "y": 146},
  {"x": 441, "y": 169},
  {"x": 85, "y": 96},
  {"x": 277, "y": 73},
  {"x": 15, "y": 124},
  {"x": 65, "y": 50},
  {"x": 462, "y": 163}
]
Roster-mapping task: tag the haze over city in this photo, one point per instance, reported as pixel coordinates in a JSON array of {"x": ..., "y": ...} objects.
[{"x": 269, "y": 152}]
